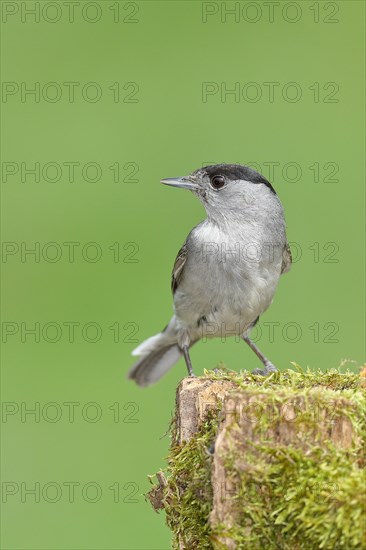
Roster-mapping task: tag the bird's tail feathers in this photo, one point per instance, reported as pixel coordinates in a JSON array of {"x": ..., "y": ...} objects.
[
  {"x": 156, "y": 361},
  {"x": 149, "y": 345},
  {"x": 157, "y": 354}
]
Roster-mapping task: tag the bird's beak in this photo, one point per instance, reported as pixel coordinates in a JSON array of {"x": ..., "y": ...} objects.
[{"x": 183, "y": 182}]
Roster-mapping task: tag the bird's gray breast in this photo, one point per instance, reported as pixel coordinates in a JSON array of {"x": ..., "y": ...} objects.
[{"x": 229, "y": 278}]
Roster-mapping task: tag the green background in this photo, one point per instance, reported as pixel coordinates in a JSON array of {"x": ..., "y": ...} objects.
[{"x": 169, "y": 52}]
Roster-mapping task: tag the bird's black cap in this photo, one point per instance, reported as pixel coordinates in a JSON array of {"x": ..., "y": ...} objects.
[{"x": 237, "y": 172}]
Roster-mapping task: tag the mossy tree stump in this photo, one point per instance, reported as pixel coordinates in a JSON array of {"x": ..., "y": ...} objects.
[{"x": 273, "y": 463}]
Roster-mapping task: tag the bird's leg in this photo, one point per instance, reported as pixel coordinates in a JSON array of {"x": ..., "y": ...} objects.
[
  {"x": 268, "y": 366},
  {"x": 188, "y": 360}
]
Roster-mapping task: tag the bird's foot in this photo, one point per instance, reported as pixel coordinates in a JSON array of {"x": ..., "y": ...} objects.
[
  {"x": 190, "y": 371},
  {"x": 268, "y": 369}
]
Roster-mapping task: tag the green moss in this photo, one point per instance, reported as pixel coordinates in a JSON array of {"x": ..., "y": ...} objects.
[
  {"x": 188, "y": 494},
  {"x": 297, "y": 497},
  {"x": 332, "y": 379},
  {"x": 291, "y": 499}
]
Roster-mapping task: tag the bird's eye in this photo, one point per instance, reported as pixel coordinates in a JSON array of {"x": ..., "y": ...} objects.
[{"x": 217, "y": 182}]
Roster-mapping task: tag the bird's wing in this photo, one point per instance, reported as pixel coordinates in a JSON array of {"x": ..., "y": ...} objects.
[
  {"x": 286, "y": 259},
  {"x": 178, "y": 267}
]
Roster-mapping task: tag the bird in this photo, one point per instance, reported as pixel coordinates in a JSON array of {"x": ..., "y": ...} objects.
[{"x": 226, "y": 273}]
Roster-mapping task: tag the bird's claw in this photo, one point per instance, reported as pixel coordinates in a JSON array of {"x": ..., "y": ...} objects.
[{"x": 268, "y": 369}]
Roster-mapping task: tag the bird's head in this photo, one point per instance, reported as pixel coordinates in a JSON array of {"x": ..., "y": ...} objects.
[{"x": 227, "y": 189}]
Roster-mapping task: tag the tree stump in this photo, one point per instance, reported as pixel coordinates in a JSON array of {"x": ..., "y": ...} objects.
[{"x": 272, "y": 462}]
